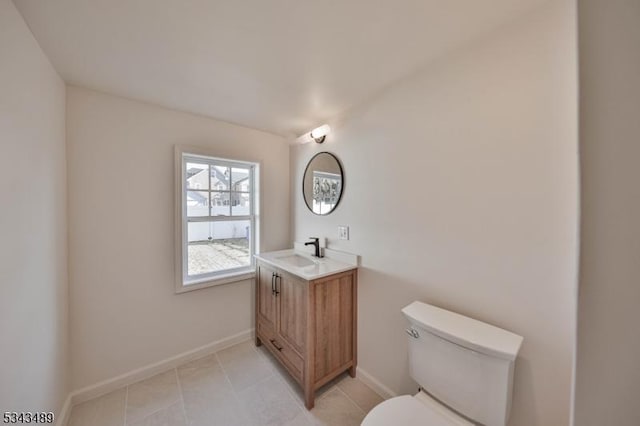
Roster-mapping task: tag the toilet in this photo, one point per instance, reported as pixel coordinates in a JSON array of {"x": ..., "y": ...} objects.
[{"x": 464, "y": 368}]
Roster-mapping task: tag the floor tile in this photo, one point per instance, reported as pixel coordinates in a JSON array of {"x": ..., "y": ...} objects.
[
  {"x": 170, "y": 416},
  {"x": 208, "y": 394},
  {"x": 244, "y": 365},
  {"x": 217, "y": 409},
  {"x": 359, "y": 393},
  {"x": 239, "y": 386},
  {"x": 107, "y": 410},
  {"x": 269, "y": 403},
  {"x": 203, "y": 375},
  {"x": 151, "y": 395},
  {"x": 294, "y": 387},
  {"x": 336, "y": 409}
]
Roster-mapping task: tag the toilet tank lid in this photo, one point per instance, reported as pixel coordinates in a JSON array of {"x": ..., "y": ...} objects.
[{"x": 464, "y": 331}]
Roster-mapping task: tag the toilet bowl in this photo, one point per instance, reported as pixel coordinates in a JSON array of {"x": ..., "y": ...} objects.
[
  {"x": 419, "y": 409},
  {"x": 465, "y": 363}
]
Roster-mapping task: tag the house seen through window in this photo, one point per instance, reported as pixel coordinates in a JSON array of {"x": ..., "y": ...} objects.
[{"x": 218, "y": 218}]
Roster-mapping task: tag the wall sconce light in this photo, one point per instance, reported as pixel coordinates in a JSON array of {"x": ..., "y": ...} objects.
[{"x": 318, "y": 134}]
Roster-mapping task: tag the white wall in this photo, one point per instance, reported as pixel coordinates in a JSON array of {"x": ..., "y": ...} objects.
[
  {"x": 608, "y": 375},
  {"x": 124, "y": 313},
  {"x": 33, "y": 223},
  {"x": 475, "y": 159}
]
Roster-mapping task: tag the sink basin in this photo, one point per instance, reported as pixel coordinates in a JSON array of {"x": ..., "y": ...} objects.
[
  {"x": 301, "y": 264},
  {"x": 297, "y": 260}
]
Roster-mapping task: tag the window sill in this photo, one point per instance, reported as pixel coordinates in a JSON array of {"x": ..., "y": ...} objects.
[{"x": 211, "y": 282}]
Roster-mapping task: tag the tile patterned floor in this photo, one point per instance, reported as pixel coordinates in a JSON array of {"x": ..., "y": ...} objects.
[{"x": 240, "y": 385}]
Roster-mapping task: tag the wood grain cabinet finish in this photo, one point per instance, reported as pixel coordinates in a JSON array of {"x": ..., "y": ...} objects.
[{"x": 309, "y": 326}]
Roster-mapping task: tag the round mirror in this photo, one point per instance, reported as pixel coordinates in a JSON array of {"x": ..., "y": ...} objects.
[{"x": 322, "y": 183}]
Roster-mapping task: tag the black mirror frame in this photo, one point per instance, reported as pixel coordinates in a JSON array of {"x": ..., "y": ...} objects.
[{"x": 306, "y": 169}]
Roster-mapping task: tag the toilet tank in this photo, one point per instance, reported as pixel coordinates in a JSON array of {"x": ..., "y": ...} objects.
[{"x": 464, "y": 363}]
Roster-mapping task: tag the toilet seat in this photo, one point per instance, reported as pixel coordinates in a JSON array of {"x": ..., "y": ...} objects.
[{"x": 420, "y": 409}]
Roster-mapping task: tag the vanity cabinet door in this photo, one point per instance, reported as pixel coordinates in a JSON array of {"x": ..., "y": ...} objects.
[
  {"x": 292, "y": 313},
  {"x": 266, "y": 295}
]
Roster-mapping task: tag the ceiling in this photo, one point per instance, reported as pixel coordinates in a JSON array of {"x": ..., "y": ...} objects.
[{"x": 282, "y": 66}]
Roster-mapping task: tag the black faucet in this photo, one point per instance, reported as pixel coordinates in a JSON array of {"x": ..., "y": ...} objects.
[{"x": 316, "y": 244}]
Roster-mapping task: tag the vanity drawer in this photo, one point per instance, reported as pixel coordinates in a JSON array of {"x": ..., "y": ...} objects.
[
  {"x": 282, "y": 350},
  {"x": 291, "y": 359}
]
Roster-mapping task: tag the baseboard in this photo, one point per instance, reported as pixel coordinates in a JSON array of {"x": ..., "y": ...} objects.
[
  {"x": 109, "y": 385},
  {"x": 63, "y": 416},
  {"x": 374, "y": 384}
]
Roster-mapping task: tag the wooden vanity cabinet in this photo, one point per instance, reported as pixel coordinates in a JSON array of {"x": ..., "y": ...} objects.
[{"x": 309, "y": 326}]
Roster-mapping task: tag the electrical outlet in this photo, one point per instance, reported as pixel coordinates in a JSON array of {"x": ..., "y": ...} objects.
[{"x": 343, "y": 232}]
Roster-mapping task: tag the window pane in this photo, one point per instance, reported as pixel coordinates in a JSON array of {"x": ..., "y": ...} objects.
[
  {"x": 197, "y": 203},
  {"x": 216, "y": 246},
  {"x": 220, "y": 178},
  {"x": 197, "y": 176},
  {"x": 240, "y": 204},
  {"x": 220, "y": 204},
  {"x": 240, "y": 179}
]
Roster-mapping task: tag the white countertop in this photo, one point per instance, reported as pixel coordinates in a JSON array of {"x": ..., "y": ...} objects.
[{"x": 320, "y": 267}]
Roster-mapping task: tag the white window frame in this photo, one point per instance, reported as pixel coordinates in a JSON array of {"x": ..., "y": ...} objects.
[{"x": 185, "y": 283}]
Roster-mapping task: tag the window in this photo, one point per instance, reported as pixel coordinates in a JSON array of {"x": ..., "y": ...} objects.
[{"x": 217, "y": 228}]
